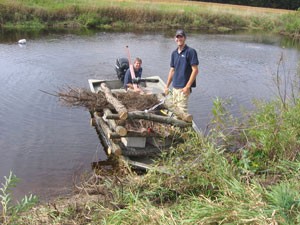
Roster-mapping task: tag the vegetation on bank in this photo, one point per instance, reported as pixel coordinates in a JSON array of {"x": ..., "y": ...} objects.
[
  {"x": 242, "y": 171},
  {"x": 132, "y": 14},
  {"x": 9, "y": 212}
]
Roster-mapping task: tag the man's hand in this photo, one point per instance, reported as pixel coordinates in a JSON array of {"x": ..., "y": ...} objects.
[
  {"x": 136, "y": 80},
  {"x": 186, "y": 91},
  {"x": 167, "y": 90}
]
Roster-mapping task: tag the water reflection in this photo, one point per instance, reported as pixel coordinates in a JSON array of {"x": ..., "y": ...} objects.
[{"x": 11, "y": 36}]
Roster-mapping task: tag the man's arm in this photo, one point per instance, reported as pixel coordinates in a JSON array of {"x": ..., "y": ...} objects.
[
  {"x": 127, "y": 79},
  {"x": 187, "y": 89},
  {"x": 170, "y": 78}
]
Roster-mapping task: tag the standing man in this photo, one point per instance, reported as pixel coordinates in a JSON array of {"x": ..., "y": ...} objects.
[
  {"x": 137, "y": 67},
  {"x": 183, "y": 72}
]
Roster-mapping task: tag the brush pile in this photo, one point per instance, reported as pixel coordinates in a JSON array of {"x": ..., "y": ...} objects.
[
  {"x": 80, "y": 97},
  {"x": 128, "y": 121},
  {"x": 133, "y": 102}
]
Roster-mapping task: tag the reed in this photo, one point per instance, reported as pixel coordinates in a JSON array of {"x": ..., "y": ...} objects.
[{"x": 10, "y": 212}]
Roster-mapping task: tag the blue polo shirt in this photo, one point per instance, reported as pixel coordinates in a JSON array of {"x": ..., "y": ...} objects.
[
  {"x": 128, "y": 79},
  {"x": 182, "y": 64}
]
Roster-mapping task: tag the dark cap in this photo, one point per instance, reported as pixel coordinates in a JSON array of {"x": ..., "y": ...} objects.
[{"x": 180, "y": 32}]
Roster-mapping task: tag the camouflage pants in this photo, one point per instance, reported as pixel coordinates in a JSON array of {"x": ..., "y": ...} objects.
[{"x": 180, "y": 100}]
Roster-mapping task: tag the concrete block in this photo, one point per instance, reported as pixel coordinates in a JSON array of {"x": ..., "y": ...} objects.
[{"x": 135, "y": 142}]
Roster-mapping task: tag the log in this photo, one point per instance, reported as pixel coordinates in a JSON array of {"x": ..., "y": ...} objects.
[
  {"x": 120, "y": 130},
  {"x": 152, "y": 117},
  {"x": 112, "y": 147},
  {"x": 92, "y": 122},
  {"x": 158, "y": 118},
  {"x": 114, "y": 116},
  {"x": 177, "y": 111},
  {"x": 120, "y": 108}
]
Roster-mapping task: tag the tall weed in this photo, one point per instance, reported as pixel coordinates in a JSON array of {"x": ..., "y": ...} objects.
[
  {"x": 10, "y": 213},
  {"x": 284, "y": 199},
  {"x": 291, "y": 23}
]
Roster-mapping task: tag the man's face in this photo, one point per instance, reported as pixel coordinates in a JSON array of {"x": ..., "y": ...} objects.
[
  {"x": 137, "y": 65},
  {"x": 180, "y": 40}
]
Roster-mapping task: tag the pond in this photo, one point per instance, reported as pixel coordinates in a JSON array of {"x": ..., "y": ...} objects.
[{"x": 48, "y": 145}]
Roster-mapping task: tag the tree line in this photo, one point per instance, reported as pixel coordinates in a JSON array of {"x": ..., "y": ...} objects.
[{"x": 280, "y": 4}]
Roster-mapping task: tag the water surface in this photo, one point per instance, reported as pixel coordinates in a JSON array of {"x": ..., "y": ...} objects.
[{"x": 47, "y": 145}]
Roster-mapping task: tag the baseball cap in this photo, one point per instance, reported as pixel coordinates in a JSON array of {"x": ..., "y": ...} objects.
[{"x": 180, "y": 32}]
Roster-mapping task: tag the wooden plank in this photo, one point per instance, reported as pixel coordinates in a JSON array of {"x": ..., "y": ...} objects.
[{"x": 146, "y": 166}]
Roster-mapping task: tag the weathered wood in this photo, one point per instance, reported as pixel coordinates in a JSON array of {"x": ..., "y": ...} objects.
[
  {"x": 152, "y": 117},
  {"x": 120, "y": 108},
  {"x": 113, "y": 116},
  {"x": 113, "y": 135},
  {"x": 160, "y": 169},
  {"x": 92, "y": 122},
  {"x": 120, "y": 130},
  {"x": 113, "y": 147},
  {"x": 177, "y": 111}
]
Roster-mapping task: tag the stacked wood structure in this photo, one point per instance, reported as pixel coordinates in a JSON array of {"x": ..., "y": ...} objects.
[{"x": 155, "y": 129}]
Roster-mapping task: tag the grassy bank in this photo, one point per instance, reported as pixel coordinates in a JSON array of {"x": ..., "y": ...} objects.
[
  {"x": 130, "y": 14},
  {"x": 241, "y": 173}
]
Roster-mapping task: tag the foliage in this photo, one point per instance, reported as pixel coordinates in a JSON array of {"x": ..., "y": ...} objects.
[
  {"x": 10, "y": 212},
  {"x": 291, "y": 23},
  {"x": 115, "y": 15},
  {"x": 202, "y": 185},
  {"x": 243, "y": 171}
]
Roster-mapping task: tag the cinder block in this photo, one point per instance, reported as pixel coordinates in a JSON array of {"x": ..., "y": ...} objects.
[{"x": 137, "y": 142}]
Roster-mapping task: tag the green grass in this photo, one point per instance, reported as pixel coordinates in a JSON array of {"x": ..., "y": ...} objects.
[
  {"x": 132, "y": 14},
  {"x": 11, "y": 212},
  {"x": 204, "y": 184}
]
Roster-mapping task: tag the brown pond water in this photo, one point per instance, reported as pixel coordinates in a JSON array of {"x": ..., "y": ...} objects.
[{"x": 47, "y": 145}]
